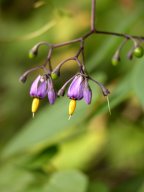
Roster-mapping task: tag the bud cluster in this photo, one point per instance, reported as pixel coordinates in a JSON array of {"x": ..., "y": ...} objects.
[{"x": 136, "y": 50}]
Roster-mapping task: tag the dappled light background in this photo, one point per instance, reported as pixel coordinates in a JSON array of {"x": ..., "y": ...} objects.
[{"x": 94, "y": 151}]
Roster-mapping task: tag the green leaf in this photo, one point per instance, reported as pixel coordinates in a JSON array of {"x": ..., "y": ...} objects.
[
  {"x": 138, "y": 81},
  {"x": 98, "y": 187},
  {"x": 47, "y": 127},
  {"x": 125, "y": 145},
  {"x": 36, "y": 161},
  {"x": 79, "y": 150},
  {"x": 14, "y": 179},
  {"x": 67, "y": 181},
  {"x": 131, "y": 185}
]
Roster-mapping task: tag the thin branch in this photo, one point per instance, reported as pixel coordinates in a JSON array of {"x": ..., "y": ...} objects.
[
  {"x": 93, "y": 9},
  {"x": 127, "y": 36},
  {"x": 24, "y": 76},
  {"x": 66, "y": 43},
  {"x": 49, "y": 59},
  {"x": 61, "y": 90}
]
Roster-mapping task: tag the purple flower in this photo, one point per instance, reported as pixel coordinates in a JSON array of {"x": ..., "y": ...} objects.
[
  {"x": 41, "y": 87},
  {"x": 51, "y": 92},
  {"x": 79, "y": 89},
  {"x": 75, "y": 90},
  {"x": 87, "y": 92}
]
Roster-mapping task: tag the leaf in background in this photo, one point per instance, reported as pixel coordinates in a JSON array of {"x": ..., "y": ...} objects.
[
  {"x": 67, "y": 181},
  {"x": 131, "y": 185},
  {"x": 98, "y": 186},
  {"x": 38, "y": 32},
  {"x": 125, "y": 146},
  {"x": 138, "y": 81},
  {"x": 14, "y": 179},
  {"x": 46, "y": 127},
  {"x": 37, "y": 161},
  {"x": 49, "y": 125},
  {"x": 80, "y": 150}
]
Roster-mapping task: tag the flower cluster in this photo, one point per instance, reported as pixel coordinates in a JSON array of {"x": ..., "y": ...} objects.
[{"x": 78, "y": 89}]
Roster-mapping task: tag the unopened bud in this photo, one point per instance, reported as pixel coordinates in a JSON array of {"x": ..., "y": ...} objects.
[
  {"x": 23, "y": 78},
  {"x": 61, "y": 92},
  {"x": 54, "y": 76},
  {"x": 33, "y": 52},
  {"x": 116, "y": 59},
  {"x": 138, "y": 52}
]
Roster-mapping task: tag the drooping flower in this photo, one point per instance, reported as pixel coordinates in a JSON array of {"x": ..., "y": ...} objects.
[
  {"x": 40, "y": 88},
  {"x": 78, "y": 89},
  {"x": 75, "y": 90}
]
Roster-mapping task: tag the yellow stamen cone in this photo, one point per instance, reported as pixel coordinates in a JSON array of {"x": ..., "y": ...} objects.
[
  {"x": 35, "y": 105},
  {"x": 72, "y": 106}
]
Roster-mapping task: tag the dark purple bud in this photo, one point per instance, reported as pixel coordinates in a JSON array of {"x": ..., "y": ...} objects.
[
  {"x": 105, "y": 91},
  {"x": 61, "y": 92},
  {"x": 34, "y": 86},
  {"x": 51, "y": 92},
  {"x": 87, "y": 92},
  {"x": 75, "y": 90},
  {"x": 23, "y": 78}
]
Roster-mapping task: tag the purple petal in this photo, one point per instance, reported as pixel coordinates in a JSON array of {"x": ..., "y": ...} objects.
[
  {"x": 51, "y": 92},
  {"x": 51, "y": 96},
  {"x": 42, "y": 90},
  {"x": 75, "y": 90},
  {"x": 50, "y": 83},
  {"x": 34, "y": 86},
  {"x": 87, "y": 93}
]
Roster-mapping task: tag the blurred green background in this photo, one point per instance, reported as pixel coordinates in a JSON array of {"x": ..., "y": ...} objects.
[{"x": 93, "y": 152}]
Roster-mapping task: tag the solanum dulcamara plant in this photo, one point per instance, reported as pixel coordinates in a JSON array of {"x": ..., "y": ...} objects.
[{"x": 78, "y": 84}]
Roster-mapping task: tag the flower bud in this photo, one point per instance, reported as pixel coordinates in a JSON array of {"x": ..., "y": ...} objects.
[
  {"x": 61, "y": 92},
  {"x": 115, "y": 61},
  {"x": 54, "y": 76},
  {"x": 23, "y": 78},
  {"x": 138, "y": 52},
  {"x": 116, "y": 58},
  {"x": 56, "y": 72},
  {"x": 33, "y": 52}
]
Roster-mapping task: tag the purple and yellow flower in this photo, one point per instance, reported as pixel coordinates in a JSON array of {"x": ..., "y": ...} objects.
[
  {"x": 79, "y": 89},
  {"x": 40, "y": 88}
]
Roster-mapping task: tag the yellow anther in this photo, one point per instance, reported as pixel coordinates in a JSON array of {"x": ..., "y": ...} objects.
[
  {"x": 72, "y": 106},
  {"x": 35, "y": 105}
]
